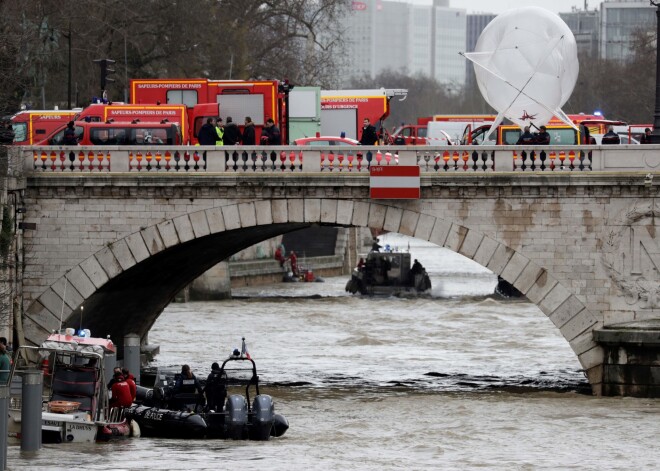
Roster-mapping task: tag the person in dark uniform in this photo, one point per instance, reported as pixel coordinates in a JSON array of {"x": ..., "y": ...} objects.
[
  {"x": 611, "y": 137},
  {"x": 375, "y": 247},
  {"x": 542, "y": 137},
  {"x": 369, "y": 136},
  {"x": 215, "y": 388},
  {"x": 526, "y": 138},
  {"x": 207, "y": 134},
  {"x": 647, "y": 138}
]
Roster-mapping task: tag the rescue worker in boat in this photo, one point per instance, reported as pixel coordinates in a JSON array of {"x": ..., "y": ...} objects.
[
  {"x": 187, "y": 382},
  {"x": 360, "y": 264},
  {"x": 375, "y": 247},
  {"x": 369, "y": 271},
  {"x": 215, "y": 389},
  {"x": 121, "y": 392},
  {"x": 114, "y": 376},
  {"x": 130, "y": 379}
]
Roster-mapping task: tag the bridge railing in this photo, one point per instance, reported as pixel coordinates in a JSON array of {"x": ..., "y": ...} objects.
[{"x": 344, "y": 159}]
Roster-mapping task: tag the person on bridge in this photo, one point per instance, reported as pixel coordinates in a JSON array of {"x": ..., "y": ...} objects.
[
  {"x": 369, "y": 136},
  {"x": 270, "y": 135},
  {"x": 249, "y": 134},
  {"x": 526, "y": 138},
  {"x": 542, "y": 137},
  {"x": 647, "y": 138},
  {"x": 69, "y": 138},
  {"x": 219, "y": 132},
  {"x": 611, "y": 137},
  {"x": 207, "y": 135},
  {"x": 232, "y": 133}
]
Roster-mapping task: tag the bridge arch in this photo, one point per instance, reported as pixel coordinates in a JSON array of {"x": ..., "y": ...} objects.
[{"x": 126, "y": 285}]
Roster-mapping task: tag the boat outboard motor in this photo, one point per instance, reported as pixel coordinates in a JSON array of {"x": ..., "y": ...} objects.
[
  {"x": 263, "y": 412},
  {"x": 237, "y": 416}
]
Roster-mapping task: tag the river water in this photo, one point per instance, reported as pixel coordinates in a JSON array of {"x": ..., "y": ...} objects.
[{"x": 456, "y": 380}]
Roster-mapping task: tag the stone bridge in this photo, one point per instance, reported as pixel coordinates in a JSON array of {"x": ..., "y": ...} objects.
[{"x": 107, "y": 236}]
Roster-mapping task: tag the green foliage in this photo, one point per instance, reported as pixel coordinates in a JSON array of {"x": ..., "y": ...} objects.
[{"x": 219, "y": 39}]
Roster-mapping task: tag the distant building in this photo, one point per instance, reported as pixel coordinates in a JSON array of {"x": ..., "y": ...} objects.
[
  {"x": 584, "y": 25},
  {"x": 618, "y": 21},
  {"x": 399, "y": 36}
]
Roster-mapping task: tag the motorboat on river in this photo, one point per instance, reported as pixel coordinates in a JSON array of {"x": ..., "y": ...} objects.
[
  {"x": 233, "y": 408},
  {"x": 389, "y": 273},
  {"x": 75, "y": 406}
]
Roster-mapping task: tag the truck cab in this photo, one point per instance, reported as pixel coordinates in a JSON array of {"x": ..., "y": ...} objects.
[
  {"x": 127, "y": 134},
  {"x": 408, "y": 135}
]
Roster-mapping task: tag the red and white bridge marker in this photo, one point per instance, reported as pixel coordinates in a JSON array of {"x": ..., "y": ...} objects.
[{"x": 394, "y": 183}]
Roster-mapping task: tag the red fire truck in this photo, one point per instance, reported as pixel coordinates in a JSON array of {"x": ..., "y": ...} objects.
[
  {"x": 343, "y": 111},
  {"x": 179, "y": 114},
  {"x": 32, "y": 126},
  {"x": 259, "y": 100}
]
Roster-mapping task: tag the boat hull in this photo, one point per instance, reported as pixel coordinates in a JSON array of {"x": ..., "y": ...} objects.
[{"x": 156, "y": 422}]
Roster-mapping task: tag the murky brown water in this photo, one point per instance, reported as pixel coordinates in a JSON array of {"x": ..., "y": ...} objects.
[{"x": 458, "y": 380}]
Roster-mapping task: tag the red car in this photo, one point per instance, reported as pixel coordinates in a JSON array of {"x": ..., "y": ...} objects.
[{"x": 325, "y": 141}]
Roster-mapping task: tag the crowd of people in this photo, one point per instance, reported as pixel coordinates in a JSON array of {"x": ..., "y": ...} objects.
[{"x": 216, "y": 133}]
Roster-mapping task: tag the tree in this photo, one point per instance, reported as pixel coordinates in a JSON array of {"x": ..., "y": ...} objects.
[{"x": 220, "y": 39}]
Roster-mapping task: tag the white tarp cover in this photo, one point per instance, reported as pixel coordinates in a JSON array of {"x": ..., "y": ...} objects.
[
  {"x": 72, "y": 347},
  {"x": 526, "y": 65}
]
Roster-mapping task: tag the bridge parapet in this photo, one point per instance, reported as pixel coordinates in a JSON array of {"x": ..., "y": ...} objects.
[{"x": 340, "y": 159}]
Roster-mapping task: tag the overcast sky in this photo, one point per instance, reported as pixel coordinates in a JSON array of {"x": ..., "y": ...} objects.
[{"x": 498, "y": 6}]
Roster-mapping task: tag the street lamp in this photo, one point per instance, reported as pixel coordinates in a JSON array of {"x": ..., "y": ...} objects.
[{"x": 655, "y": 139}]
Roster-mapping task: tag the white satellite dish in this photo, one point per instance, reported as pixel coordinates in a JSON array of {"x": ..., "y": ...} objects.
[{"x": 526, "y": 66}]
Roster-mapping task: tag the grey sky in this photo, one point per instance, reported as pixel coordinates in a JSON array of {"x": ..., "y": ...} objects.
[{"x": 498, "y": 6}]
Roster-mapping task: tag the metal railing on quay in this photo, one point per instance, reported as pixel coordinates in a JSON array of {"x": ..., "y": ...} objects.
[{"x": 337, "y": 159}]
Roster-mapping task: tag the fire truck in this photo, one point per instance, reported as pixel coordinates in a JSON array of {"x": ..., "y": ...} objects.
[
  {"x": 32, "y": 126},
  {"x": 343, "y": 111},
  {"x": 260, "y": 100},
  {"x": 179, "y": 114}
]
